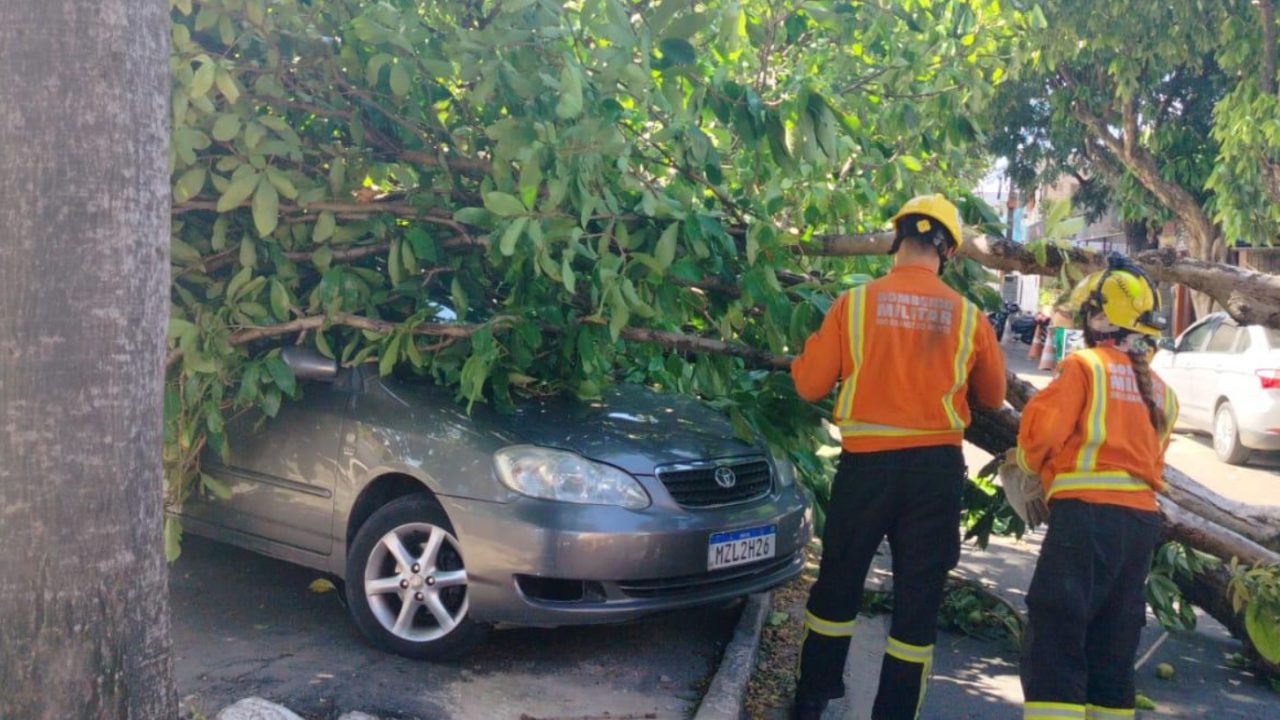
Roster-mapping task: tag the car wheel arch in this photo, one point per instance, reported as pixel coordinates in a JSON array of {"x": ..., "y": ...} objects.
[{"x": 378, "y": 492}]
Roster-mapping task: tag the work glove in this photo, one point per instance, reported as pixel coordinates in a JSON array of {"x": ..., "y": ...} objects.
[{"x": 1025, "y": 493}]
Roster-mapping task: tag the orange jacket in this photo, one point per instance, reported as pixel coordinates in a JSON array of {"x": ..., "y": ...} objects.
[
  {"x": 907, "y": 349},
  {"x": 1089, "y": 437}
]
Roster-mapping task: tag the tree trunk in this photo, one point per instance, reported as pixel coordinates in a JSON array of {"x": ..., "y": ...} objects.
[
  {"x": 1138, "y": 237},
  {"x": 84, "y": 237},
  {"x": 1250, "y": 297}
]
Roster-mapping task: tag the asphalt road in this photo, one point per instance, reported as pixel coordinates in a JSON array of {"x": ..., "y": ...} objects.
[{"x": 247, "y": 625}]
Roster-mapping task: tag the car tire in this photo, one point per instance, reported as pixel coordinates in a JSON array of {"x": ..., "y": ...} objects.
[
  {"x": 411, "y": 611},
  {"x": 1226, "y": 437}
]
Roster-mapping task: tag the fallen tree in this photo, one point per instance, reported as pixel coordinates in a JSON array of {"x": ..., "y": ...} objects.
[
  {"x": 1250, "y": 297},
  {"x": 392, "y": 184}
]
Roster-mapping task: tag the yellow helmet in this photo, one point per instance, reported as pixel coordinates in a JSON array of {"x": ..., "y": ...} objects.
[
  {"x": 937, "y": 208},
  {"x": 1125, "y": 294}
]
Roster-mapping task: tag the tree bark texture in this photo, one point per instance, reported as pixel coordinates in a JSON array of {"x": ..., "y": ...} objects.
[{"x": 84, "y": 237}]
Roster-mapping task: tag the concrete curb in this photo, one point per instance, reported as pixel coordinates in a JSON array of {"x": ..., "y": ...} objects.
[{"x": 728, "y": 690}]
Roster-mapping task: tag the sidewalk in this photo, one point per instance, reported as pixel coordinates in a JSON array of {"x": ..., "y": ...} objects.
[{"x": 977, "y": 680}]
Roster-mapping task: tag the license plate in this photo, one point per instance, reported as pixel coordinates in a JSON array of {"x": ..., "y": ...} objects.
[{"x": 739, "y": 547}]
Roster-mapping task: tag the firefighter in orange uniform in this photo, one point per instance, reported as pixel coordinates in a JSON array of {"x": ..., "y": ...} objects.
[
  {"x": 1095, "y": 439},
  {"x": 908, "y": 353}
]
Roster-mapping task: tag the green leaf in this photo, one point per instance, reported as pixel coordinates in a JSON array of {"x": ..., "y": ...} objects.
[
  {"x": 566, "y": 274},
  {"x": 911, "y": 163},
  {"x": 266, "y": 208},
  {"x": 570, "y": 104},
  {"x": 399, "y": 80},
  {"x": 202, "y": 80},
  {"x": 281, "y": 374},
  {"x": 619, "y": 314},
  {"x": 511, "y": 235},
  {"x": 677, "y": 51},
  {"x": 172, "y": 538},
  {"x": 390, "y": 355},
  {"x": 322, "y": 344},
  {"x": 271, "y": 401},
  {"x": 322, "y": 258},
  {"x": 325, "y": 224},
  {"x": 503, "y": 204},
  {"x": 279, "y": 300},
  {"x": 227, "y": 86},
  {"x": 1262, "y": 621},
  {"x": 282, "y": 183},
  {"x": 226, "y": 127},
  {"x": 248, "y": 253},
  {"x": 238, "y": 190},
  {"x": 394, "y": 266},
  {"x": 666, "y": 250},
  {"x": 190, "y": 184},
  {"x": 217, "y": 487}
]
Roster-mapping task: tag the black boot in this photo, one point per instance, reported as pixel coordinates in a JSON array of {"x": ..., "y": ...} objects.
[{"x": 808, "y": 708}]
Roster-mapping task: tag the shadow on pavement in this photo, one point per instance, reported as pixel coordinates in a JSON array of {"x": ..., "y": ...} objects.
[{"x": 247, "y": 625}]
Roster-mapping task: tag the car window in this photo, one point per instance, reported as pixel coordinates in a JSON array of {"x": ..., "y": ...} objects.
[
  {"x": 1195, "y": 337},
  {"x": 1223, "y": 339}
]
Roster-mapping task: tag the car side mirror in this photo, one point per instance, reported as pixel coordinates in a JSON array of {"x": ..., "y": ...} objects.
[
  {"x": 1165, "y": 343},
  {"x": 309, "y": 364}
]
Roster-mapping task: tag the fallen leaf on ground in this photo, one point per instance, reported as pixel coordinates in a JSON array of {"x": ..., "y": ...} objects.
[{"x": 321, "y": 585}]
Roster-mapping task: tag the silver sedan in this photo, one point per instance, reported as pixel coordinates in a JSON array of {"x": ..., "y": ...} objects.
[{"x": 444, "y": 524}]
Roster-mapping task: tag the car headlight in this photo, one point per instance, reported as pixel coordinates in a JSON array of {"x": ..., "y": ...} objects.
[
  {"x": 564, "y": 476},
  {"x": 785, "y": 469}
]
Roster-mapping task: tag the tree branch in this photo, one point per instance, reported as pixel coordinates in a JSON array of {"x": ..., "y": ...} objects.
[
  {"x": 1130, "y": 154},
  {"x": 1250, "y": 297}
]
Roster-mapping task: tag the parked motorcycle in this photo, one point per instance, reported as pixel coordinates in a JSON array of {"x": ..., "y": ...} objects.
[
  {"x": 1024, "y": 326},
  {"x": 999, "y": 318}
]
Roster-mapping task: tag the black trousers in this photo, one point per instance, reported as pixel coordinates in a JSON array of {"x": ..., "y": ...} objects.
[
  {"x": 912, "y": 497},
  {"x": 1087, "y": 606}
]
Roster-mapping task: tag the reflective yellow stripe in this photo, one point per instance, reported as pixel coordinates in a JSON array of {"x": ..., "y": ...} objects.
[
  {"x": 827, "y": 627},
  {"x": 1020, "y": 457},
  {"x": 857, "y": 429},
  {"x": 857, "y": 324},
  {"x": 909, "y": 653},
  {"x": 921, "y": 655},
  {"x": 964, "y": 351},
  {"x": 1052, "y": 711},
  {"x": 1170, "y": 412},
  {"x": 1113, "y": 481},
  {"x": 1096, "y": 416},
  {"x": 1097, "y": 712}
]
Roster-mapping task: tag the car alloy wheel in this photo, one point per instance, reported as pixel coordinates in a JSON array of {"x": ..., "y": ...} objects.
[
  {"x": 415, "y": 583},
  {"x": 407, "y": 585},
  {"x": 1226, "y": 437}
]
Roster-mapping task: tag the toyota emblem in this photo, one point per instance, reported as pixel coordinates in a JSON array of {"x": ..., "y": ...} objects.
[{"x": 725, "y": 477}]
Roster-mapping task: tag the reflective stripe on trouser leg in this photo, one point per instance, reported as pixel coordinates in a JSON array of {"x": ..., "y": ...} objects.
[
  {"x": 1097, "y": 712},
  {"x": 829, "y": 628},
  {"x": 1053, "y": 711},
  {"x": 904, "y": 677}
]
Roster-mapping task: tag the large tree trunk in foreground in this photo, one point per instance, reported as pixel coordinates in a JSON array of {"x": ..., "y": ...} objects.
[{"x": 84, "y": 237}]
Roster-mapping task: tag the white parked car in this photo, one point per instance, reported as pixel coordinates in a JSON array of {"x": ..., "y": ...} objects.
[{"x": 1227, "y": 378}]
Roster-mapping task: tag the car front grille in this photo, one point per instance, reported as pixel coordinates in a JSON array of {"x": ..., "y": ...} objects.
[{"x": 695, "y": 485}]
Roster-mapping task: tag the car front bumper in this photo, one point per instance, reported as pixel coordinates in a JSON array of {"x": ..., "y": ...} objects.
[{"x": 539, "y": 563}]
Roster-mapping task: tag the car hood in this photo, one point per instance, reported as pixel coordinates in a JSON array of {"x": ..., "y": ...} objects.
[{"x": 630, "y": 427}]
